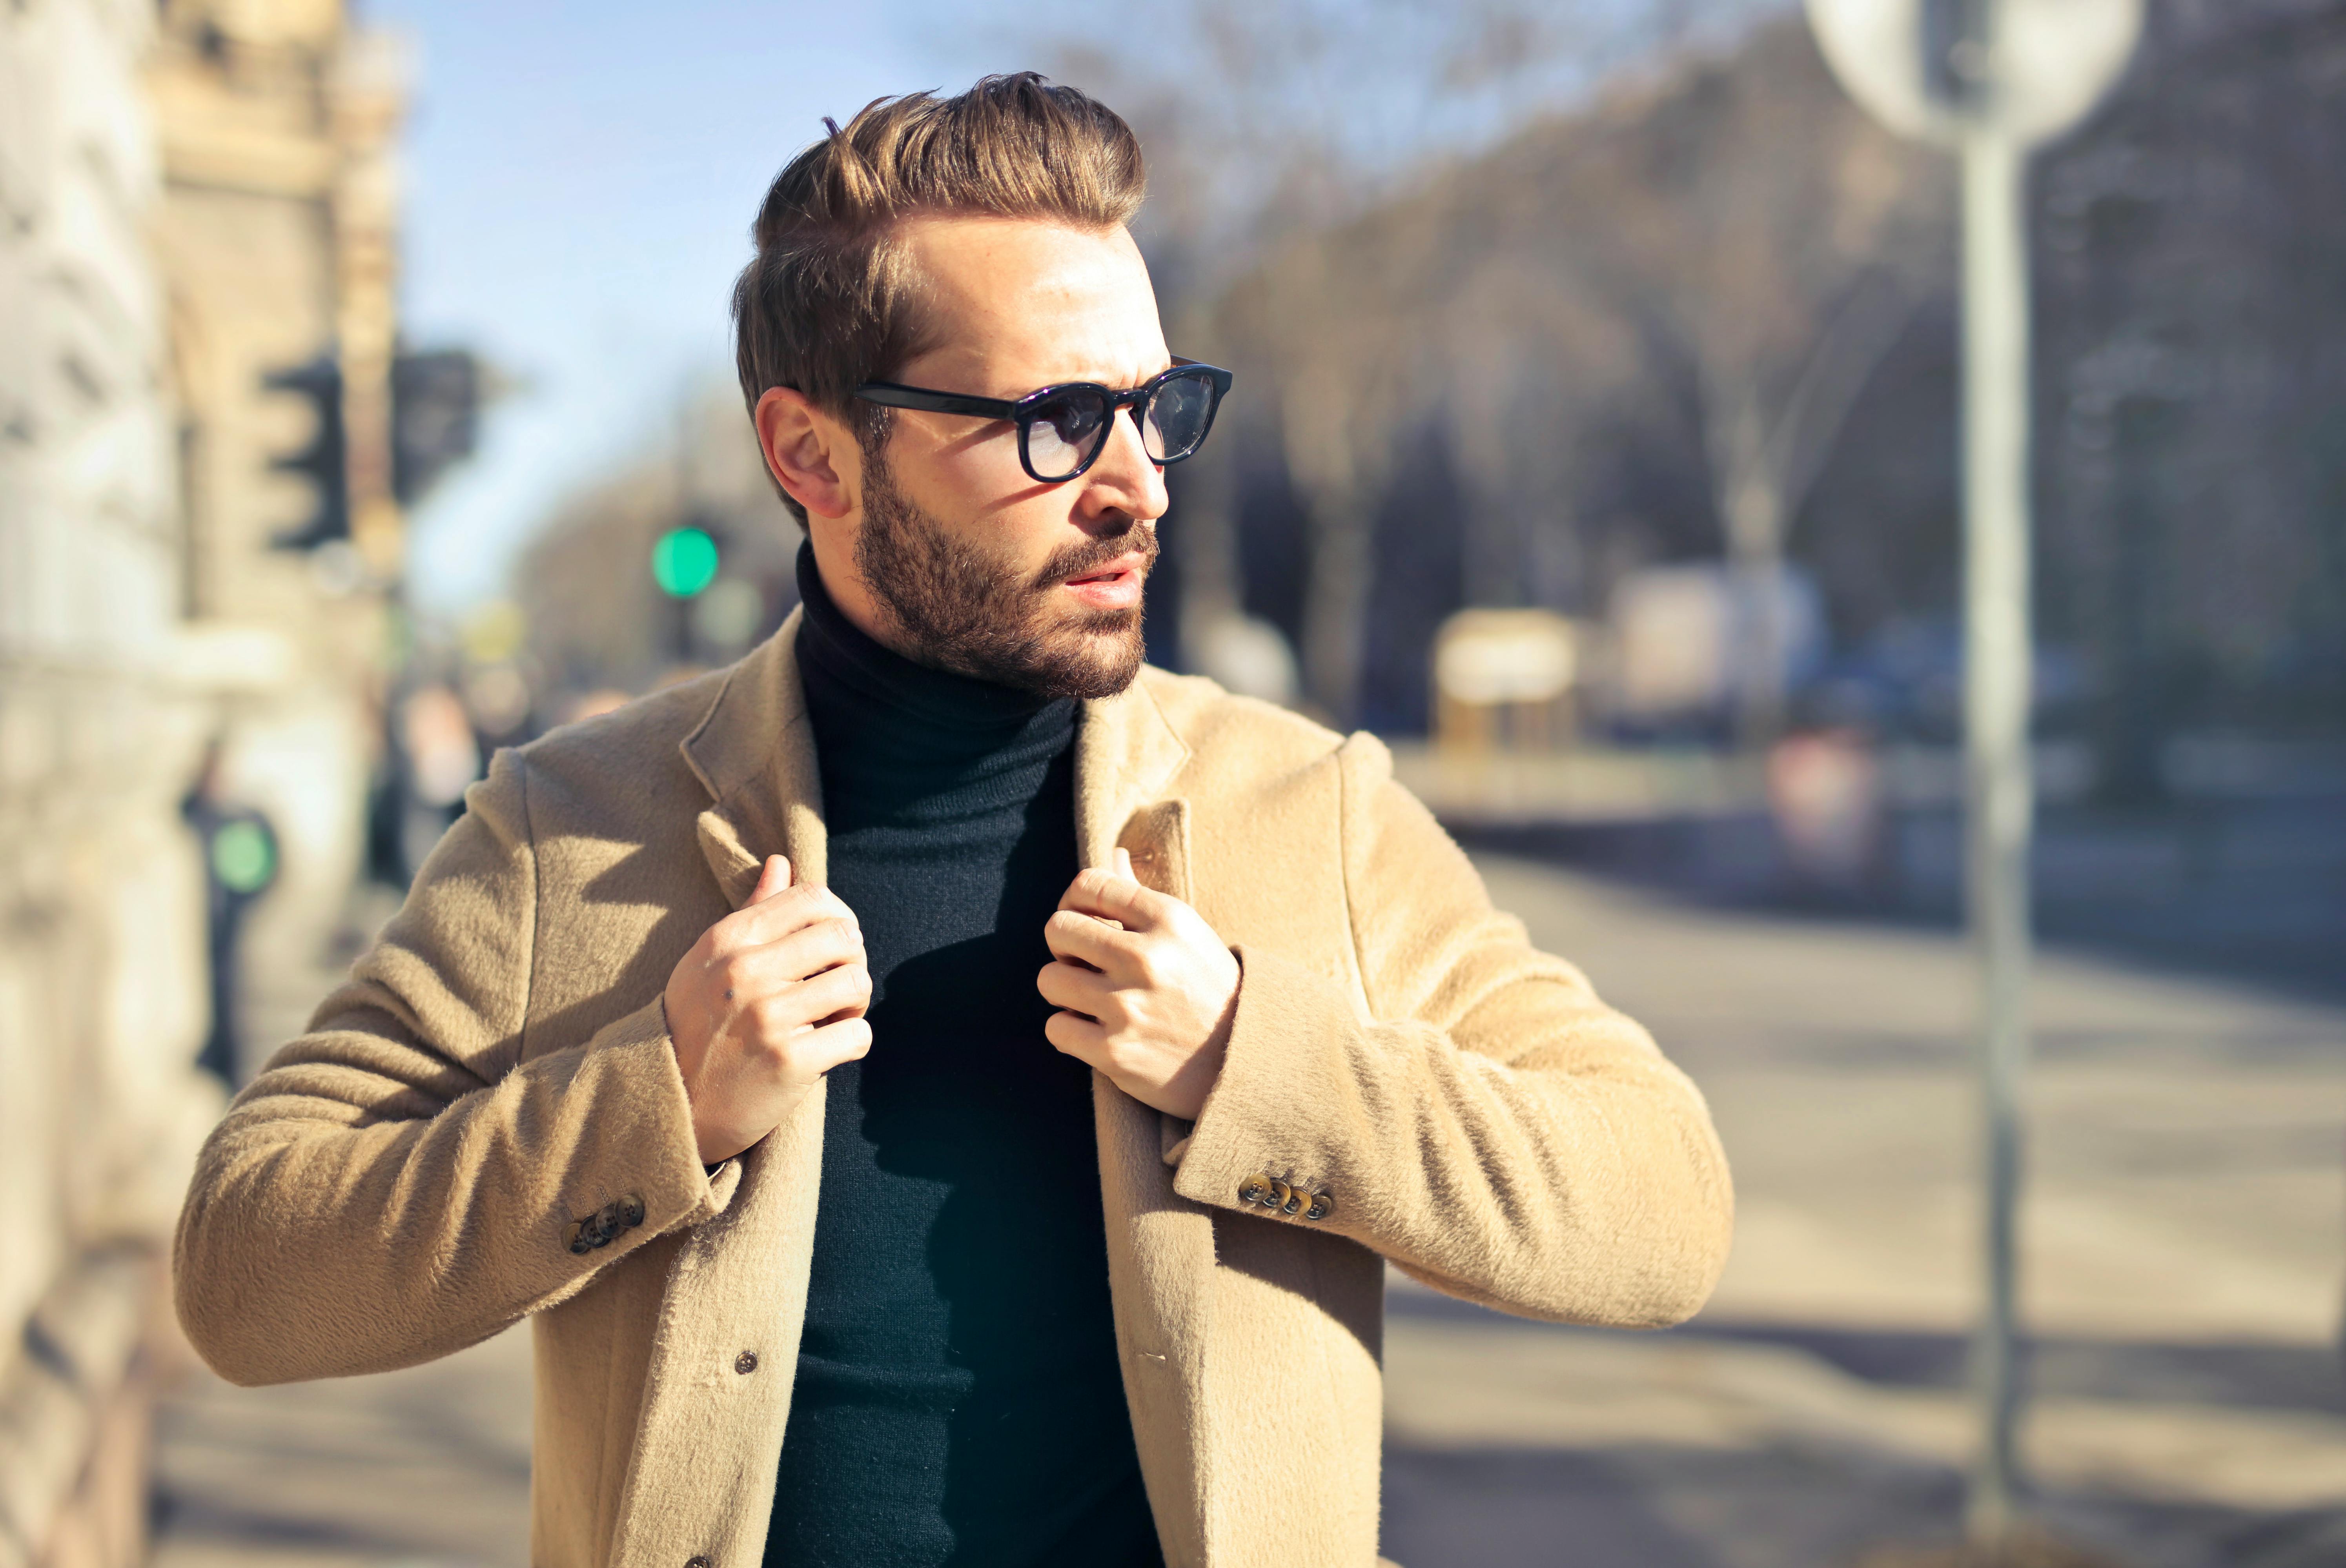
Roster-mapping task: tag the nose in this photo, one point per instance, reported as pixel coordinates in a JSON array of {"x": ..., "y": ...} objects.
[{"x": 1124, "y": 478}]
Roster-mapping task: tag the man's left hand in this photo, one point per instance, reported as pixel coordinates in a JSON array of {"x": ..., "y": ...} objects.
[{"x": 1145, "y": 988}]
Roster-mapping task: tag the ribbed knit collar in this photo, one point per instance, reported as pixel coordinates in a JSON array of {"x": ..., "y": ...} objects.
[{"x": 872, "y": 699}]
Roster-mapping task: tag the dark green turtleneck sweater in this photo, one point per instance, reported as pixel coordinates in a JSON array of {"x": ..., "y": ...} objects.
[{"x": 958, "y": 1400}]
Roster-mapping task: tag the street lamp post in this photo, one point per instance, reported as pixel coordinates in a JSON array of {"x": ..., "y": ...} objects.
[
  {"x": 1998, "y": 797},
  {"x": 1991, "y": 78}
]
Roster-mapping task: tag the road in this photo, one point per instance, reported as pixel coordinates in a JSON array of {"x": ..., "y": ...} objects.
[{"x": 2184, "y": 1248}]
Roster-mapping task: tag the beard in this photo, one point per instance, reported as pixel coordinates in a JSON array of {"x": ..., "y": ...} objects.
[{"x": 953, "y": 606}]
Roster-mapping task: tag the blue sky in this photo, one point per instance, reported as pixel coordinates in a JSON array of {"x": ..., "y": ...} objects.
[
  {"x": 580, "y": 178},
  {"x": 579, "y": 183}
]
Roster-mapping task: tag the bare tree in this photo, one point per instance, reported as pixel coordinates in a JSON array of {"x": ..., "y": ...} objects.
[{"x": 1269, "y": 129}]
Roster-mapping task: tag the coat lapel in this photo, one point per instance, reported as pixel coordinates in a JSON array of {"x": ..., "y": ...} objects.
[
  {"x": 754, "y": 753},
  {"x": 1160, "y": 1245},
  {"x": 739, "y": 1280}
]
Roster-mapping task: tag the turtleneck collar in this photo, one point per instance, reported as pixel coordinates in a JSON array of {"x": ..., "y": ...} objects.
[{"x": 864, "y": 697}]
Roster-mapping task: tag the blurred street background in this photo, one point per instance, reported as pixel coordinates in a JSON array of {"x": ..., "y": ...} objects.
[{"x": 365, "y": 405}]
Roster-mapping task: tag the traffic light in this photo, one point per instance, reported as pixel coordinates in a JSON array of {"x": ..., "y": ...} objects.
[
  {"x": 435, "y": 408},
  {"x": 684, "y": 561},
  {"x": 325, "y": 461}
]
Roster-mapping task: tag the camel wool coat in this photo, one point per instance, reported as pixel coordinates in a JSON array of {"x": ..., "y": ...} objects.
[{"x": 486, "y": 1123}]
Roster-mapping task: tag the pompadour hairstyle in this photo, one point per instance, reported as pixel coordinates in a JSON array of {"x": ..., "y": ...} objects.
[{"x": 828, "y": 304}]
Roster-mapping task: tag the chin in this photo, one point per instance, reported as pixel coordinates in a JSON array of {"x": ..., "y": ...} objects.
[{"x": 1096, "y": 659}]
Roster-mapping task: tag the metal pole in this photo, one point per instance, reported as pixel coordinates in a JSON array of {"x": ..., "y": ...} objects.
[{"x": 1997, "y": 796}]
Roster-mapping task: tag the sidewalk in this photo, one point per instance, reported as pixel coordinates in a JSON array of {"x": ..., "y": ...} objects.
[{"x": 2185, "y": 1247}]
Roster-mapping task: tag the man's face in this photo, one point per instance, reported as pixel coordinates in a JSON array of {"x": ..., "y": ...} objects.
[{"x": 968, "y": 564}]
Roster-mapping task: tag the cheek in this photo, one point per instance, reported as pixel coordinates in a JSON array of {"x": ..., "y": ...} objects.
[{"x": 976, "y": 490}]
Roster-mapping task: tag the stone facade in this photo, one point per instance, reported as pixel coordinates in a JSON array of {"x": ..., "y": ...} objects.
[
  {"x": 192, "y": 196},
  {"x": 101, "y": 940}
]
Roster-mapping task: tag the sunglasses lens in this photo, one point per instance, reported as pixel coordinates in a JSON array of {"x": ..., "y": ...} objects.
[
  {"x": 1178, "y": 416},
  {"x": 1063, "y": 430}
]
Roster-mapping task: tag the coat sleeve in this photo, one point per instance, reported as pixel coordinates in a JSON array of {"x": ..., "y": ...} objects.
[
  {"x": 404, "y": 1180},
  {"x": 1496, "y": 1131}
]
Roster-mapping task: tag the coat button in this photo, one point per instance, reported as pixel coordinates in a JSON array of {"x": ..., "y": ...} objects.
[
  {"x": 700, "y": 1559},
  {"x": 1280, "y": 1193},
  {"x": 1255, "y": 1189},
  {"x": 1322, "y": 1206},
  {"x": 631, "y": 1211},
  {"x": 746, "y": 1362}
]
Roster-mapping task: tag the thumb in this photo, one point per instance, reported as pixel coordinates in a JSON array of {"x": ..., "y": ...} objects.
[
  {"x": 1123, "y": 864},
  {"x": 773, "y": 879}
]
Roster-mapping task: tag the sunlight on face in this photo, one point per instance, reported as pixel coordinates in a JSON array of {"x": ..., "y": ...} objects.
[{"x": 974, "y": 565}]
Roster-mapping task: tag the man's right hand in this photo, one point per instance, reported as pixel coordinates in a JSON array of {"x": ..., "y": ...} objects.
[{"x": 769, "y": 1000}]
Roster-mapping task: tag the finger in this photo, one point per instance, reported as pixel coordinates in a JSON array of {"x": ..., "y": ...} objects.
[
  {"x": 847, "y": 1040},
  {"x": 808, "y": 950},
  {"x": 841, "y": 992},
  {"x": 1111, "y": 897},
  {"x": 1077, "y": 990},
  {"x": 773, "y": 877},
  {"x": 1081, "y": 1038},
  {"x": 750, "y": 974},
  {"x": 781, "y": 913},
  {"x": 1086, "y": 940}
]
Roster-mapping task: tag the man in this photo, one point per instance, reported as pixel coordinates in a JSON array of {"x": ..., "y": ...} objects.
[{"x": 943, "y": 1092}]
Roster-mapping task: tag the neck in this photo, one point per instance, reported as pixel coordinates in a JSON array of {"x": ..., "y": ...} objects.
[
  {"x": 850, "y": 599},
  {"x": 884, "y": 690}
]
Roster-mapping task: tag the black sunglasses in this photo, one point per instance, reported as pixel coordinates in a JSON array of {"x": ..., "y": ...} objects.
[{"x": 1063, "y": 428}]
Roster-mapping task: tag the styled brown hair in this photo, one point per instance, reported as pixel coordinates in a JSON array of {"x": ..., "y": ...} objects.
[{"x": 828, "y": 303}]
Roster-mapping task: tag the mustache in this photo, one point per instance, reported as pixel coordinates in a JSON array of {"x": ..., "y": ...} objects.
[{"x": 1091, "y": 555}]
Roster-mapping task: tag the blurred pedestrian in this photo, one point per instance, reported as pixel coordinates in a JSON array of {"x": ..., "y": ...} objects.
[
  {"x": 240, "y": 855},
  {"x": 944, "y": 1092},
  {"x": 1825, "y": 794}
]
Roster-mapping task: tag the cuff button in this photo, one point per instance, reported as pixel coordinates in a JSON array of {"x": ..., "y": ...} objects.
[
  {"x": 1255, "y": 1189},
  {"x": 1322, "y": 1206}
]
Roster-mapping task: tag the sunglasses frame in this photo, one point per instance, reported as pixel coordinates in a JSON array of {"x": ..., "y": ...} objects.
[{"x": 1024, "y": 412}]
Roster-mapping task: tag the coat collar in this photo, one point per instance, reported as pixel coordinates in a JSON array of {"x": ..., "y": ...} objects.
[{"x": 753, "y": 751}]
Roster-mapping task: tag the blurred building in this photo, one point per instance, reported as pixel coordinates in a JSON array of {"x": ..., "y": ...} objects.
[
  {"x": 194, "y": 198},
  {"x": 102, "y": 998},
  {"x": 275, "y": 239}
]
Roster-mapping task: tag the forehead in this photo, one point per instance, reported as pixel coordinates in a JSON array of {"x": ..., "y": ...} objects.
[{"x": 1020, "y": 303}]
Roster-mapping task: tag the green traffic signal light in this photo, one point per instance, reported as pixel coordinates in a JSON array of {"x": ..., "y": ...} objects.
[{"x": 684, "y": 561}]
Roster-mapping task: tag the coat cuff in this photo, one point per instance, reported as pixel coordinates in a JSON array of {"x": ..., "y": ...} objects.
[
  {"x": 658, "y": 1184},
  {"x": 1288, "y": 1023}
]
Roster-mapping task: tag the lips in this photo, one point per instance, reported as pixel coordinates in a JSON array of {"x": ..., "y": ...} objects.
[{"x": 1114, "y": 585}]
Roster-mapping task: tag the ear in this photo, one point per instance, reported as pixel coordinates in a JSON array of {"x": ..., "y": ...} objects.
[{"x": 806, "y": 450}]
